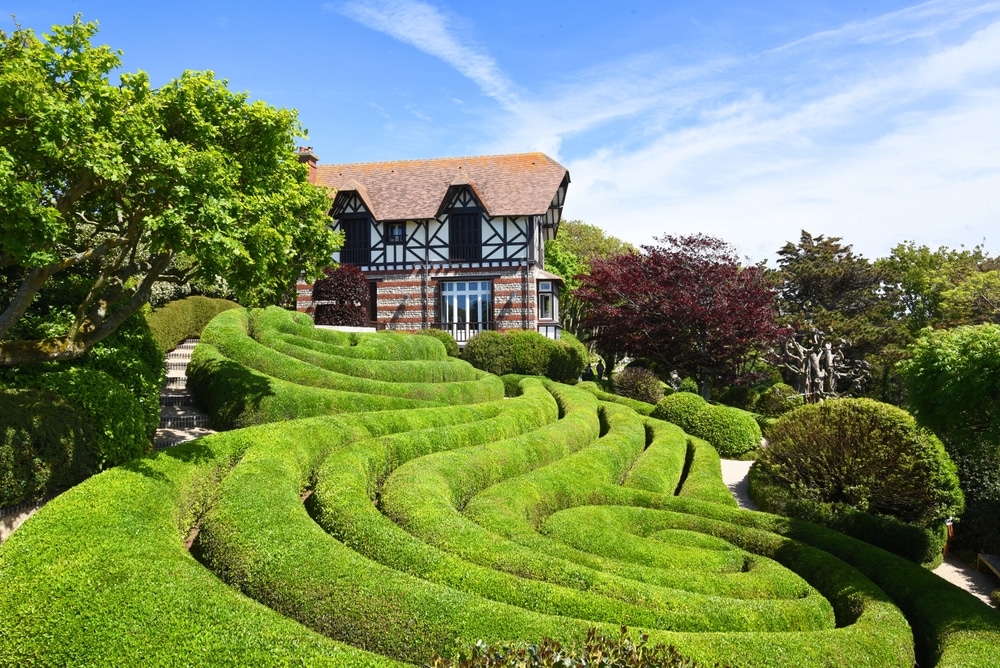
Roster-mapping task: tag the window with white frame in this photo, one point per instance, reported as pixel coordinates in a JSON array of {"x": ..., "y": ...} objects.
[
  {"x": 548, "y": 301},
  {"x": 466, "y": 307}
]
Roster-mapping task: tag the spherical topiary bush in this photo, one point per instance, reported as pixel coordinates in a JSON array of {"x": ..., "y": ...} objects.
[
  {"x": 488, "y": 351},
  {"x": 777, "y": 400},
  {"x": 863, "y": 454},
  {"x": 679, "y": 408},
  {"x": 636, "y": 382},
  {"x": 732, "y": 431},
  {"x": 529, "y": 351}
]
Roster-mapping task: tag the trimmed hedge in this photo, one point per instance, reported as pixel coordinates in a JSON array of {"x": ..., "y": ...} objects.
[
  {"x": 525, "y": 353},
  {"x": 46, "y": 446},
  {"x": 640, "y": 407},
  {"x": 544, "y": 514},
  {"x": 184, "y": 319},
  {"x": 732, "y": 431},
  {"x": 680, "y": 408},
  {"x": 864, "y": 454},
  {"x": 230, "y": 333}
]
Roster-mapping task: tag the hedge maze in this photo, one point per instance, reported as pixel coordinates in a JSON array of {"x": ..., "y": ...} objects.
[{"x": 381, "y": 502}]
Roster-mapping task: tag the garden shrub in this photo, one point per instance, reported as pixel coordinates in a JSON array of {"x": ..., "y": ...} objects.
[
  {"x": 184, "y": 319},
  {"x": 863, "y": 454},
  {"x": 778, "y": 400},
  {"x": 117, "y": 420},
  {"x": 641, "y": 384},
  {"x": 732, "y": 431},
  {"x": 688, "y": 384},
  {"x": 598, "y": 650},
  {"x": 679, "y": 408},
  {"x": 952, "y": 382},
  {"x": 450, "y": 345},
  {"x": 526, "y": 353},
  {"x": 995, "y": 597},
  {"x": 739, "y": 396},
  {"x": 46, "y": 446},
  {"x": 917, "y": 544},
  {"x": 346, "y": 290}
]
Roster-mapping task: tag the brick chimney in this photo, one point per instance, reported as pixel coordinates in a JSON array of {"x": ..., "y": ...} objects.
[{"x": 306, "y": 155}]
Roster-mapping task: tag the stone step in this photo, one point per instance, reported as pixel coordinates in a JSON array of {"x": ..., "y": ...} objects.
[
  {"x": 182, "y": 417},
  {"x": 181, "y": 365},
  {"x": 166, "y": 438},
  {"x": 176, "y": 398}
]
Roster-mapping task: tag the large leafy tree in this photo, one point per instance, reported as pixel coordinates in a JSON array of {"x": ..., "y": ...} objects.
[
  {"x": 570, "y": 254},
  {"x": 686, "y": 304},
  {"x": 953, "y": 381},
  {"x": 112, "y": 183}
]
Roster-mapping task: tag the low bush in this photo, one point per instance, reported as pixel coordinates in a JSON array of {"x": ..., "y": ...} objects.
[
  {"x": 995, "y": 597},
  {"x": 917, "y": 544},
  {"x": 864, "y": 454},
  {"x": 740, "y": 396},
  {"x": 599, "y": 650},
  {"x": 446, "y": 339},
  {"x": 777, "y": 400},
  {"x": 46, "y": 446},
  {"x": 679, "y": 408},
  {"x": 525, "y": 353},
  {"x": 732, "y": 431},
  {"x": 184, "y": 319},
  {"x": 641, "y": 384}
]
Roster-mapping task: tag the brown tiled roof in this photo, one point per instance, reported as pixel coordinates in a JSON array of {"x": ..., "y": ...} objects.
[{"x": 519, "y": 184}]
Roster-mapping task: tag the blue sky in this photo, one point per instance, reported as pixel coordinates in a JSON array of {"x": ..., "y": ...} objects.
[{"x": 874, "y": 121}]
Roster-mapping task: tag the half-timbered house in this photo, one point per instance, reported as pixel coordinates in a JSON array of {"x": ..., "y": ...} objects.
[{"x": 452, "y": 243}]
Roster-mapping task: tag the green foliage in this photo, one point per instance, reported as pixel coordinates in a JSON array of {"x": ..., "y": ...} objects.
[
  {"x": 46, "y": 446},
  {"x": 184, "y": 319},
  {"x": 119, "y": 425},
  {"x": 952, "y": 381},
  {"x": 778, "y": 400},
  {"x": 732, "y": 431},
  {"x": 688, "y": 384},
  {"x": 740, "y": 396},
  {"x": 995, "y": 597},
  {"x": 640, "y": 407},
  {"x": 679, "y": 408},
  {"x": 446, "y": 339},
  {"x": 599, "y": 650},
  {"x": 526, "y": 353},
  {"x": 636, "y": 382},
  {"x": 864, "y": 454},
  {"x": 116, "y": 180}
]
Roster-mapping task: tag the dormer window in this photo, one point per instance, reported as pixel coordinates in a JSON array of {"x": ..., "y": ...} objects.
[
  {"x": 465, "y": 236},
  {"x": 395, "y": 233}
]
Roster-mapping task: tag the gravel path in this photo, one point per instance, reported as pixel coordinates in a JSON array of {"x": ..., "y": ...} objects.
[{"x": 734, "y": 474}]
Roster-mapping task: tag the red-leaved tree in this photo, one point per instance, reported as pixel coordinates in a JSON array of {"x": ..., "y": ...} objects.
[
  {"x": 685, "y": 304},
  {"x": 345, "y": 290}
]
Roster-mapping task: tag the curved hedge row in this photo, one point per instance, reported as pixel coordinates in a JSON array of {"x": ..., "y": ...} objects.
[
  {"x": 732, "y": 431},
  {"x": 543, "y": 514}
]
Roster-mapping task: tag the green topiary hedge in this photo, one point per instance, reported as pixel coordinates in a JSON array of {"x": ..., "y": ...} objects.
[
  {"x": 679, "y": 408},
  {"x": 446, "y": 339},
  {"x": 732, "y": 431},
  {"x": 46, "y": 446},
  {"x": 863, "y": 455},
  {"x": 184, "y": 319},
  {"x": 525, "y": 353}
]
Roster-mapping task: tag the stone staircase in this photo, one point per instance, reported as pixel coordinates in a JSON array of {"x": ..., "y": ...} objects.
[{"x": 180, "y": 421}]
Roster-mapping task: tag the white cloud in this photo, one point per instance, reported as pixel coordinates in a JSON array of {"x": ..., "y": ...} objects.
[{"x": 423, "y": 26}]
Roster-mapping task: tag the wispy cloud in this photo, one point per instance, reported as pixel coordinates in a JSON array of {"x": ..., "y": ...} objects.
[{"x": 427, "y": 28}]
